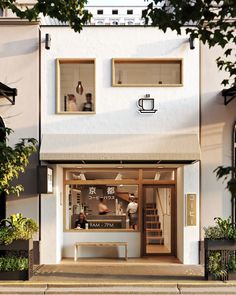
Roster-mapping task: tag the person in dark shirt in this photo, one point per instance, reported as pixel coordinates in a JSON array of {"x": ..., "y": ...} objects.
[
  {"x": 88, "y": 105},
  {"x": 81, "y": 222}
]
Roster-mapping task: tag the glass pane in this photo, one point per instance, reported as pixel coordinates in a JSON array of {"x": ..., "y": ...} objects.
[
  {"x": 157, "y": 220},
  {"x": 75, "y": 86},
  {"x": 159, "y": 174},
  {"x": 103, "y": 206},
  {"x": 147, "y": 72}
]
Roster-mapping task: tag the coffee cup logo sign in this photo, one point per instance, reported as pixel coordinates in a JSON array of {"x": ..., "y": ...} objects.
[{"x": 146, "y": 104}]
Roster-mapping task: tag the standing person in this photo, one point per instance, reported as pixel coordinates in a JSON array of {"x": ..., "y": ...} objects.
[
  {"x": 81, "y": 222},
  {"x": 71, "y": 104},
  {"x": 102, "y": 208},
  {"x": 131, "y": 210},
  {"x": 88, "y": 105}
]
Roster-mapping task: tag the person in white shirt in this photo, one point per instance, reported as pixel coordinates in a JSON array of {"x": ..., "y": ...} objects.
[{"x": 131, "y": 210}]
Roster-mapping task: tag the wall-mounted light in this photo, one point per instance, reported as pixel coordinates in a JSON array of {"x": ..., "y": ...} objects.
[
  {"x": 45, "y": 180},
  {"x": 191, "y": 42},
  {"x": 47, "y": 41}
]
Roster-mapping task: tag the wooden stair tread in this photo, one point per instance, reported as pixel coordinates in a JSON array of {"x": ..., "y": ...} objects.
[{"x": 154, "y": 229}]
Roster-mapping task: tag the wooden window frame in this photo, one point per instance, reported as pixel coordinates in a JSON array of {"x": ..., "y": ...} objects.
[
  {"x": 140, "y": 182},
  {"x": 146, "y": 60},
  {"x": 60, "y": 61}
]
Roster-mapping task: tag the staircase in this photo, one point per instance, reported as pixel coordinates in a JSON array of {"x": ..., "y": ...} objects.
[{"x": 153, "y": 226}]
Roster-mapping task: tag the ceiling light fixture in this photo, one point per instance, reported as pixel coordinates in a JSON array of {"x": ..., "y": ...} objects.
[
  {"x": 82, "y": 176},
  {"x": 157, "y": 176},
  {"x": 118, "y": 176}
]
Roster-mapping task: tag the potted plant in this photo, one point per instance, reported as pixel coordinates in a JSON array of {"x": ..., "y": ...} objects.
[
  {"x": 16, "y": 244},
  {"x": 220, "y": 247},
  {"x": 14, "y": 268}
]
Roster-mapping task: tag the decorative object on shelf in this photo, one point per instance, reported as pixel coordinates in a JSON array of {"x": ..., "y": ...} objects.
[
  {"x": 146, "y": 104},
  {"x": 119, "y": 78},
  {"x": 79, "y": 88}
]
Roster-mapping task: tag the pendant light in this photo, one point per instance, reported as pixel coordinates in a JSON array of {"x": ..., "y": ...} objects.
[{"x": 79, "y": 88}]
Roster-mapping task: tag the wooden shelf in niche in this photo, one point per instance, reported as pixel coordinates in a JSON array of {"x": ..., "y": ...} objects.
[{"x": 147, "y": 72}]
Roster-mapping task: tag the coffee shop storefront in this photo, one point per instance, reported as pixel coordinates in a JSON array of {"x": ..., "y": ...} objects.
[{"x": 159, "y": 171}]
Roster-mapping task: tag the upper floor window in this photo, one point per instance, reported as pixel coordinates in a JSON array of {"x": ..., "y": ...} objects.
[
  {"x": 75, "y": 86},
  {"x": 114, "y": 11},
  {"x": 147, "y": 72},
  {"x": 129, "y": 11},
  {"x": 99, "y": 11}
]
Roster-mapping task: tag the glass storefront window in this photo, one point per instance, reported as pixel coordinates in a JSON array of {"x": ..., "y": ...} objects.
[{"x": 103, "y": 206}]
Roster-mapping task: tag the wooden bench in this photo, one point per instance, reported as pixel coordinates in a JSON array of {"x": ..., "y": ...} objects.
[{"x": 100, "y": 244}]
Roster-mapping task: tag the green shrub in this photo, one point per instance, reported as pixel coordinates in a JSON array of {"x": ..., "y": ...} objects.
[
  {"x": 12, "y": 263},
  {"x": 224, "y": 229},
  {"x": 215, "y": 266},
  {"x": 17, "y": 227}
]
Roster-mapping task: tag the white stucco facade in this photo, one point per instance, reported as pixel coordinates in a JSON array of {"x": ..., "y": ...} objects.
[
  {"x": 194, "y": 108},
  {"x": 117, "y": 113}
]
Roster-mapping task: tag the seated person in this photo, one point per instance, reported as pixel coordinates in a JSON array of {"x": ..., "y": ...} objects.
[
  {"x": 71, "y": 104},
  {"x": 88, "y": 106},
  {"x": 102, "y": 208},
  {"x": 81, "y": 222}
]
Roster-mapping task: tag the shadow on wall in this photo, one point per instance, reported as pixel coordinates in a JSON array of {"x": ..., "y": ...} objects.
[
  {"x": 20, "y": 47},
  {"x": 164, "y": 47},
  {"x": 29, "y": 178}
]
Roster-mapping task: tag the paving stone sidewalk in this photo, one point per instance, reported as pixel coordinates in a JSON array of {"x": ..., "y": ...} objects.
[{"x": 109, "y": 278}]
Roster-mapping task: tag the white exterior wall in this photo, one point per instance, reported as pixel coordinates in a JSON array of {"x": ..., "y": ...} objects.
[
  {"x": 19, "y": 60},
  {"x": 191, "y": 233},
  {"x": 52, "y": 221},
  {"x": 216, "y": 138},
  {"x": 178, "y": 107},
  {"x": 188, "y": 236}
]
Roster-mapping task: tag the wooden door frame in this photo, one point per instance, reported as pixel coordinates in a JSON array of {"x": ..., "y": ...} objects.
[{"x": 173, "y": 220}]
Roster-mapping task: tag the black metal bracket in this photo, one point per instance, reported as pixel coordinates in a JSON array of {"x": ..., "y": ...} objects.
[
  {"x": 229, "y": 94},
  {"x": 7, "y": 92}
]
